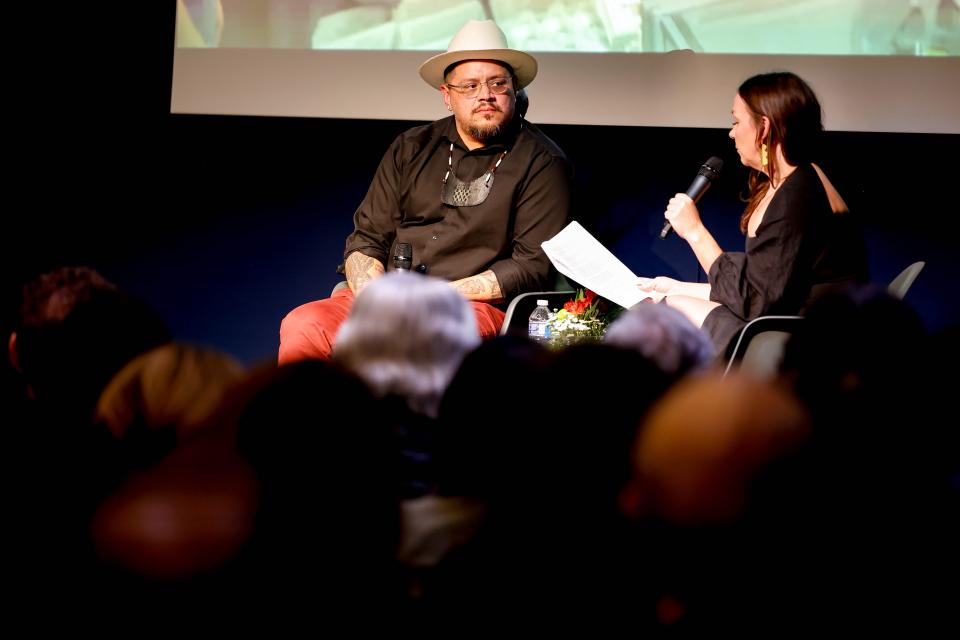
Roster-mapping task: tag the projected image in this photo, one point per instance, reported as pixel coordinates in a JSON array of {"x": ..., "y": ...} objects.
[{"x": 837, "y": 27}]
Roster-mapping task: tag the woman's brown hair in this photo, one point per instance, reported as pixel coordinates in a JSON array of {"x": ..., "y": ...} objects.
[{"x": 796, "y": 126}]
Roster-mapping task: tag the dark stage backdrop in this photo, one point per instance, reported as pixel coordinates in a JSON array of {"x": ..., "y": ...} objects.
[{"x": 226, "y": 223}]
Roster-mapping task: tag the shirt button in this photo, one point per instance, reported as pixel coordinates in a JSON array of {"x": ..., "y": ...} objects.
[{"x": 434, "y": 237}]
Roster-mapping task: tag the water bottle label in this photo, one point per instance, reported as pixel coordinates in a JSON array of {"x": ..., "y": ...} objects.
[{"x": 536, "y": 329}]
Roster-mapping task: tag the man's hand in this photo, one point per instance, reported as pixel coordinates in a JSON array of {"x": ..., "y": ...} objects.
[
  {"x": 483, "y": 287},
  {"x": 360, "y": 270}
]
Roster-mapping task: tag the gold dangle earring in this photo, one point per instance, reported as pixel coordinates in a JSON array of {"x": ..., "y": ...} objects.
[{"x": 764, "y": 160}]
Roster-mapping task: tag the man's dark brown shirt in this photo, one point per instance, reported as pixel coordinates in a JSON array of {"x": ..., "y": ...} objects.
[{"x": 529, "y": 202}]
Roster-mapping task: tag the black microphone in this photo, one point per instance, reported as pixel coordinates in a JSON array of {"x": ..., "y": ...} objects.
[
  {"x": 709, "y": 171},
  {"x": 403, "y": 257}
]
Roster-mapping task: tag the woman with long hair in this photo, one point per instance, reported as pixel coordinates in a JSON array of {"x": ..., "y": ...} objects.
[{"x": 798, "y": 234}]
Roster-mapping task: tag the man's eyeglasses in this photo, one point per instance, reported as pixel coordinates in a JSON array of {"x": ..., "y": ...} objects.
[{"x": 471, "y": 89}]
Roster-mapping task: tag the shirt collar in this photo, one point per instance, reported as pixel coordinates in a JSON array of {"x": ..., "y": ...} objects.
[{"x": 505, "y": 141}]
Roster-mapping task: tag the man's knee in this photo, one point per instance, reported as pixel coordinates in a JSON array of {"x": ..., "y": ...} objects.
[
  {"x": 489, "y": 319},
  {"x": 309, "y": 330},
  {"x": 295, "y": 320}
]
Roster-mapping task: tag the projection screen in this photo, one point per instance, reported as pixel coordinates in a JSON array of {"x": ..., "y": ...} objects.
[{"x": 877, "y": 65}]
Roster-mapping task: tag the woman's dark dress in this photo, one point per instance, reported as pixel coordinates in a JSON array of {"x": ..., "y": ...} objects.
[{"x": 801, "y": 248}]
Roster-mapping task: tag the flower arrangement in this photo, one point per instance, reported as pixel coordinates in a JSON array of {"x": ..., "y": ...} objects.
[{"x": 583, "y": 319}]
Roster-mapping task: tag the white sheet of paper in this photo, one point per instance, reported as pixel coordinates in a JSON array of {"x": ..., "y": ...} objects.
[{"x": 578, "y": 255}]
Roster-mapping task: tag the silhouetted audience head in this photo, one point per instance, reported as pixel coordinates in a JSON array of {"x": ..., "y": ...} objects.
[
  {"x": 75, "y": 330},
  {"x": 713, "y": 477},
  {"x": 163, "y": 397},
  {"x": 547, "y": 463},
  {"x": 861, "y": 345},
  {"x": 475, "y": 439},
  {"x": 859, "y": 362},
  {"x": 406, "y": 336},
  {"x": 174, "y": 528},
  {"x": 604, "y": 391},
  {"x": 702, "y": 447},
  {"x": 664, "y": 335},
  {"x": 285, "y": 506},
  {"x": 863, "y": 363},
  {"x": 325, "y": 460}
]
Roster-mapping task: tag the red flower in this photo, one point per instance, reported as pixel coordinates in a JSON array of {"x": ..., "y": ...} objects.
[
  {"x": 582, "y": 302},
  {"x": 575, "y": 307},
  {"x": 583, "y": 319}
]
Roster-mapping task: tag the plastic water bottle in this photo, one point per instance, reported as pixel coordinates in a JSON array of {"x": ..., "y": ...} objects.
[{"x": 538, "y": 326}]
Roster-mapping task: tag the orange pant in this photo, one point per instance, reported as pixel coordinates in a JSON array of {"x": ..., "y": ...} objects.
[{"x": 308, "y": 331}]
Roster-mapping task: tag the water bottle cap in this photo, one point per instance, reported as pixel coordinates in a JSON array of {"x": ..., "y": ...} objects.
[{"x": 541, "y": 303}]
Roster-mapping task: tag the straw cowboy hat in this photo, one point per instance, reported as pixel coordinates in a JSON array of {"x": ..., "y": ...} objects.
[{"x": 480, "y": 40}]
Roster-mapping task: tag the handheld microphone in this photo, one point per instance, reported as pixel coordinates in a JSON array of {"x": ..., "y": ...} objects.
[
  {"x": 709, "y": 171},
  {"x": 402, "y": 257}
]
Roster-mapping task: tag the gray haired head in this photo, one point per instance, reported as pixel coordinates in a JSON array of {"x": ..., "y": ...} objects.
[
  {"x": 663, "y": 335},
  {"x": 406, "y": 335}
]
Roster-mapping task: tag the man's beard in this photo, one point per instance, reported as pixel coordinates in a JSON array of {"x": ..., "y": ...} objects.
[{"x": 487, "y": 132}]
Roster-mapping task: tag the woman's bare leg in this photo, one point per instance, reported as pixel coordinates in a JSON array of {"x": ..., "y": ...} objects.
[{"x": 694, "y": 308}]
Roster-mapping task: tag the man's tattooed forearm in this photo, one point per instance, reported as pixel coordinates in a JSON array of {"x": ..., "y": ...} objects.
[{"x": 361, "y": 269}]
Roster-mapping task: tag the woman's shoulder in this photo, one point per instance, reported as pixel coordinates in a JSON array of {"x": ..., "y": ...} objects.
[
  {"x": 803, "y": 177},
  {"x": 805, "y": 185},
  {"x": 799, "y": 199}
]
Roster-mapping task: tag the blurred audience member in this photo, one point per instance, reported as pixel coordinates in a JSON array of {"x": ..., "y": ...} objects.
[
  {"x": 75, "y": 330},
  {"x": 665, "y": 336},
  {"x": 717, "y": 554},
  {"x": 864, "y": 364},
  {"x": 174, "y": 530},
  {"x": 529, "y": 517},
  {"x": 703, "y": 445},
  {"x": 162, "y": 397},
  {"x": 471, "y": 441},
  {"x": 406, "y": 336},
  {"x": 327, "y": 524}
]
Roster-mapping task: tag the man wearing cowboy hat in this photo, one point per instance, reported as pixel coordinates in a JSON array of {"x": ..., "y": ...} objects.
[{"x": 473, "y": 194}]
